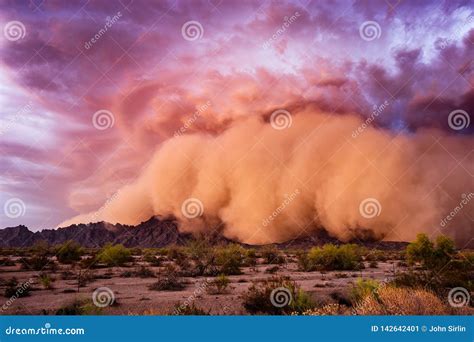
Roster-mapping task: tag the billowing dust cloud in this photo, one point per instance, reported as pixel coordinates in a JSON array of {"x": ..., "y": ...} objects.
[{"x": 259, "y": 184}]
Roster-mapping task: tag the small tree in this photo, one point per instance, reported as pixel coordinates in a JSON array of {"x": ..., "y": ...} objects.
[
  {"x": 114, "y": 255},
  {"x": 69, "y": 252}
]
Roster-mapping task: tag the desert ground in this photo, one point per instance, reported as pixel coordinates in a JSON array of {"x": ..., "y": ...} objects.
[{"x": 212, "y": 280}]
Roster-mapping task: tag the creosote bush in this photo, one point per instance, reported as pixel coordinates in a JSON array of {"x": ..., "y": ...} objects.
[
  {"x": 219, "y": 285},
  {"x": 331, "y": 257},
  {"x": 281, "y": 290},
  {"x": 168, "y": 281},
  {"x": 69, "y": 252},
  {"x": 114, "y": 255}
]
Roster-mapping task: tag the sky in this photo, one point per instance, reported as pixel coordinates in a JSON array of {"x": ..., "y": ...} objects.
[{"x": 89, "y": 89}]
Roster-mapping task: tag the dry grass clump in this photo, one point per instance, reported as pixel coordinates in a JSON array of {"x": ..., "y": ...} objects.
[
  {"x": 328, "y": 310},
  {"x": 388, "y": 300}
]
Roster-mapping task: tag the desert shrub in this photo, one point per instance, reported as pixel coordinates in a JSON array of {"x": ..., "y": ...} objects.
[
  {"x": 83, "y": 277},
  {"x": 6, "y": 262},
  {"x": 189, "y": 310},
  {"x": 373, "y": 264},
  {"x": 331, "y": 257},
  {"x": 258, "y": 298},
  {"x": 114, "y": 255},
  {"x": 168, "y": 281},
  {"x": 36, "y": 263},
  {"x": 272, "y": 270},
  {"x": 303, "y": 261},
  {"x": 328, "y": 310},
  {"x": 69, "y": 252},
  {"x": 15, "y": 289},
  {"x": 389, "y": 300},
  {"x": 230, "y": 259},
  {"x": 271, "y": 255},
  {"x": 250, "y": 257},
  {"x": 431, "y": 255},
  {"x": 151, "y": 258},
  {"x": 363, "y": 288},
  {"x": 46, "y": 281},
  {"x": 178, "y": 255},
  {"x": 218, "y": 285},
  {"x": 77, "y": 308},
  {"x": 203, "y": 257},
  {"x": 40, "y": 248}
]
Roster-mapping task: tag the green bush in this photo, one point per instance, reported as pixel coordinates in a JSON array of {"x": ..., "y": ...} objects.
[
  {"x": 331, "y": 257},
  {"x": 46, "y": 280},
  {"x": 69, "y": 252},
  {"x": 363, "y": 288},
  {"x": 431, "y": 255},
  {"x": 168, "y": 281},
  {"x": 114, "y": 255},
  {"x": 218, "y": 285},
  {"x": 230, "y": 259},
  {"x": 271, "y": 255},
  {"x": 262, "y": 296}
]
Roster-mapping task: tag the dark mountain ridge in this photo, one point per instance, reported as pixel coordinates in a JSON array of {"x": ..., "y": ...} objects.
[{"x": 154, "y": 233}]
